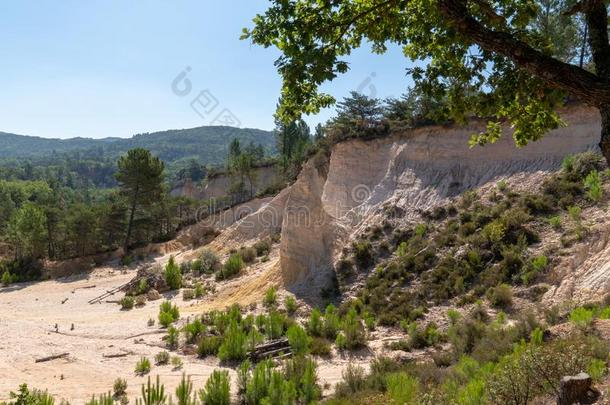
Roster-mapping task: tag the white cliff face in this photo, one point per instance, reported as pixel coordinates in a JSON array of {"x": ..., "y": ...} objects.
[
  {"x": 415, "y": 170},
  {"x": 334, "y": 198}
]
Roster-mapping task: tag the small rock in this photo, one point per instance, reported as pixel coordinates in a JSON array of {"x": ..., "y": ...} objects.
[{"x": 152, "y": 295}]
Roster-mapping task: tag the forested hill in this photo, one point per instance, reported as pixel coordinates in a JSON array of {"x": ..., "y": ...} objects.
[{"x": 208, "y": 145}]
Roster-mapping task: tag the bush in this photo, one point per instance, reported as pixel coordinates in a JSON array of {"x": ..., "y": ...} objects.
[
  {"x": 217, "y": 389},
  {"x": 290, "y": 304},
  {"x": 314, "y": 326},
  {"x": 320, "y": 347},
  {"x": 176, "y": 362},
  {"x": 168, "y": 314},
  {"x": 298, "y": 340},
  {"x": 199, "y": 291},
  {"x": 500, "y": 296},
  {"x": 353, "y": 381},
  {"x": 403, "y": 388},
  {"x": 262, "y": 247},
  {"x": 233, "y": 346},
  {"x": 582, "y": 317},
  {"x": 248, "y": 254},
  {"x": 363, "y": 252},
  {"x": 127, "y": 302},
  {"x": 142, "y": 366},
  {"x": 6, "y": 278},
  {"x": 332, "y": 323},
  {"x": 270, "y": 297},
  {"x": 173, "y": 275},
  {"x": 597, "y": 369},
  {"x": 188, "y": 294},
  {"x": 574, "y": 212},
  {"x": 193, "y": 330},
  {"x": 172, "y": 337},
  {"x": 593, "y": 186},
  {"x": 353, "y": 329},
  {"x": 232, "y": 266},
  {"x": 140, "y": 300},
  {"x": 555, "y": 222},
  {"x": 119, "y": 387},
  {"x": 208, "y": 346},
  {"x": 210, "y": 263},
  {"x": 162, "y": 358},
  {"x": 196, "y": 267}
]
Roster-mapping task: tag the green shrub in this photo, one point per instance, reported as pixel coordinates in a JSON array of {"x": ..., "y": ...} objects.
[
  {"x": 555, "y": 222},
  {"x": 188, "y": 294},
  {"x": 262, "y": 247},
  {"x": 172, "y": 337},
  {"x": 363, "y": 252},
  {"x": 274, "y": 326},
  {"x": 196, "y": 267},
  {"x": 403, "y": 388},
  {"x": 176, "y": 362},
  {"x": 353, "y": 329},
  {"x": 232, "y": 266},
  {"x": 420, "y": 230},
  {"x": 593, "y": 186},
  {"x": 119, "y": 387},
  {"x": 500, "y": 296},
  {"x": 298, "y": 340},
  {"x": 290, "y": 304},
  {"x": 193, "y": 330},
  {"x": 270, "y": 299},
  {"x": 168, "y": 314},
  {"x": 353, "y": 381},
  {"x": 6, "y": 278},
  {"x": 199, "y": 290},
  {"x": 581, "y": 317},
  {"x": 574, "y": 212},
  {"x": 142, "y": 366},
  {"x": 208, "y": 346},
  {"x": 173, "y": 275},
  {"x": 233, "y": 347},
  {"x": 184, "y": 391},
  {"x": 314, "y": 326},
  {"x": 127, "y": 302},
  {"x": 332, "y": 323},
  {"x": 162, "y": 358},
  {"x": 104, "y": 399},
  {"x": 217, "y": 389},
  {"x": 341, "y": 341},
  {"x": 210, "y": 263},
  {"x": 153, "y": 394},
  {"x": 597, "y": 369},
  {"x": 320, "y": 347},
  {"x": 248, "y": 254}
]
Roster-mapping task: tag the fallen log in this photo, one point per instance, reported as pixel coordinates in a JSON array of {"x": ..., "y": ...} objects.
[
  {"x": 115, "y": 355},
  {"x": 53, "y": 357}
]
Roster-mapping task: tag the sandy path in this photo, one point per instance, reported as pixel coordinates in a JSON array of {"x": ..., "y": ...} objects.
[
  {"x": 28, "y": 316},
  {"x": 29, "y": 312}
]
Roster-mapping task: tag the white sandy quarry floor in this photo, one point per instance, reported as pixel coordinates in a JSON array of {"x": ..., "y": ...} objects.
[{"x": 29, "y": 312}]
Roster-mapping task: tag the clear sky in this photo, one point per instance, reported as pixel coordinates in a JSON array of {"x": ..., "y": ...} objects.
[{"x": 100, "y": 68}]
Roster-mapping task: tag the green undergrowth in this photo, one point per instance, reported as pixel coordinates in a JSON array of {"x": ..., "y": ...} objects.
[{"x": 476, "y": 247}]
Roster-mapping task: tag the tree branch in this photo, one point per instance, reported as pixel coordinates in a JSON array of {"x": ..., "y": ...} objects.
[
  {"x": 597, "y": 22},
  {"x": 588, "y": 87}
]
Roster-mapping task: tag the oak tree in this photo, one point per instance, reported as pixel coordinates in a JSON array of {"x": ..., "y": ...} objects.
[{"x": 510, "y": 60}]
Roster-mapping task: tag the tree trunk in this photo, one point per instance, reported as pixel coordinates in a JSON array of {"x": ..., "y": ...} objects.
[
  {"x": 130, "y": 224},
  {"x": 604, "y": 143}
]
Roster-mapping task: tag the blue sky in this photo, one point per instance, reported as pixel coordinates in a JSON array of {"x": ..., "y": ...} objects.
[{"x": 105, "y": 68}]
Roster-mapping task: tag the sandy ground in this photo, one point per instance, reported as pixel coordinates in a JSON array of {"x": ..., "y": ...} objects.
[{"x": 29, "y": 312}]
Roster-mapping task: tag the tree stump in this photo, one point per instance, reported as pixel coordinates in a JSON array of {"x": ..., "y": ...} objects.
[{"x": 574, "y": 389}]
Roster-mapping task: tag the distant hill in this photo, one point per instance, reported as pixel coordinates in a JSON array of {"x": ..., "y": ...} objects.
[{"x": 208, "y": 145}]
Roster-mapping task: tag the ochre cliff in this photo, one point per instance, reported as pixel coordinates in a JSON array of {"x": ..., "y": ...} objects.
[{"x": 335, "y": 197}]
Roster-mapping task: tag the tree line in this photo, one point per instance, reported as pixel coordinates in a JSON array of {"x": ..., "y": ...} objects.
[{"x": 43, "y": 219}]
